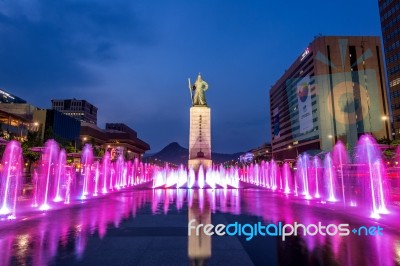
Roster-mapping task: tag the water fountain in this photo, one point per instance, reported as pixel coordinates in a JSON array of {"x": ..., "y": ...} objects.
[
  {"x": 341, "y": 160},
  {"x": 47, "y": 175},
  {"x": 287, "y": 178},
  {"x": 87, "y": 161},
  {"x": 60, "y": 176},
  {"x": 10, "y": 182},
  {"x": 332, "y": 178},
  {"x": 105, "y": 171},
  {"x": 372, "y": 172}
]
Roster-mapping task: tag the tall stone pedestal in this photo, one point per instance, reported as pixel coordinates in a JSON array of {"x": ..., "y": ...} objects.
[{"x": 200, "y": 138}]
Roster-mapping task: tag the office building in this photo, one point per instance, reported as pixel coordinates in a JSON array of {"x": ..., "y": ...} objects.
[
  {"x": 81, "y": 110},
  {"x": 390, "y": 22},
  {"x": 335, "y": 90},
  {"x": 118, "y": 139},
  {"x": 53, "y": 124}
]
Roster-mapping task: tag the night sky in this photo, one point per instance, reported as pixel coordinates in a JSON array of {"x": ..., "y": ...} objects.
[{"x": 132, "y": 58}]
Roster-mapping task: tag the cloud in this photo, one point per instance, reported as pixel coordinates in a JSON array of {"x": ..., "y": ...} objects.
[{"x": 49, "y": 44}]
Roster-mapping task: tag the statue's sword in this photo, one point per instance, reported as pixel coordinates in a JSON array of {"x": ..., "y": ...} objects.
[{"x": 190, "y": 89}]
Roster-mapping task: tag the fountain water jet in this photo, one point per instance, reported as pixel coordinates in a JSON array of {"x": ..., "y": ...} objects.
[
  {"x": 201, "y": 178},
  {"x": 340, "y": 159},
  {"x": 10, "y": 179},
  {"x": 60, "y": 175},
  {"x": 330, "y": 177},
  {"x": 87, "y": 161},
  {"x": 374, "y": 186},
  {"x": 47, "y": 174},
  {"x": 287, "y": 177},
  {"x": 105, "y": 171}
]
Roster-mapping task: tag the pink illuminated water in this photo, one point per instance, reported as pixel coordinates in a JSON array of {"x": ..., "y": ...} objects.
[
  {"x": 86, "y": 172},
  {"x": 303, "y": 179},
  {"x": 334, "y": 177},
  {"x": 101, "y": 230},
  {"x": 105, "y": 172},
  {"x": 61, "y": 176},
  {"x": 373, "y": 184},
  {"x": 341, "y": 160},
  {"x": 108, "y": 194},
  {"x": 47, "y": 175},
  {"x": 287, "y": 178},
  {"x": 330, "y": 179},
  {"x": 10, "y": 181}
]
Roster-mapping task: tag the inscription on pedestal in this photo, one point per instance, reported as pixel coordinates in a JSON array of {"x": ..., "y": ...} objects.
[
  {"x": 200, "y": 133},
  {"x": 200, "y": 137}
]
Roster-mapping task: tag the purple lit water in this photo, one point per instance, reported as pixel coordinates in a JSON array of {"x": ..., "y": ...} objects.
[
  {"x": 149, "y": 227},
  {"x": 372, "y": 184},
  {"x": 362, "y": 184},
  {"x": 332, "y": 187},
  {"x": 11, "y": 181},
  {"x": 47, "y": 175}
]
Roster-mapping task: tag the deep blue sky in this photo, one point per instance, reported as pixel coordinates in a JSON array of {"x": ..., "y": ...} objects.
[{"x": 132, "y": 58}]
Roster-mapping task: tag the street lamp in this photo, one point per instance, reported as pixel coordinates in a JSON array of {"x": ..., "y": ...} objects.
[
  {"x": 385, "y": 119},
  {"x": 35, "y": 126}
]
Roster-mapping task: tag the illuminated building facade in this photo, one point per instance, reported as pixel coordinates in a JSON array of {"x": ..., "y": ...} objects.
[
  {"x": 335, "y": 90},
  {"x": 390, "y": 22}
]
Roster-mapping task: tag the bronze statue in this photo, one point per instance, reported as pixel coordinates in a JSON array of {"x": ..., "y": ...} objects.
[{"x": 197, "y": 91}]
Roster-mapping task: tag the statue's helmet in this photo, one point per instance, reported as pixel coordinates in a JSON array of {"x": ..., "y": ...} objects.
[{"x": 199, "y": 79}]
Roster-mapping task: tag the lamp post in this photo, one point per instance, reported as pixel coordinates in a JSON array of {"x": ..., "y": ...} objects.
[{"x": 385, "y": 119}]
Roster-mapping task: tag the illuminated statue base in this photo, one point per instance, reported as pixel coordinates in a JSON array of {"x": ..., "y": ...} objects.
[
  {"x": 195, "y": 164},
  {"x": 200, "y": 138}
]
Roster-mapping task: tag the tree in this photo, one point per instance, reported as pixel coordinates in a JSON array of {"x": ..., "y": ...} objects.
[
  {"x": 383, "y": 141},
  {"x": 32, "y": 140},
  {"x": 48, "y": 134},
  {"x": 390, "y": 152},
  {"x": 68, "y": 146}
]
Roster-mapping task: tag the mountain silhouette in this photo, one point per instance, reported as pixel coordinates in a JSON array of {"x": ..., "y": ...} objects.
[{"x": 176, "y": 154}]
